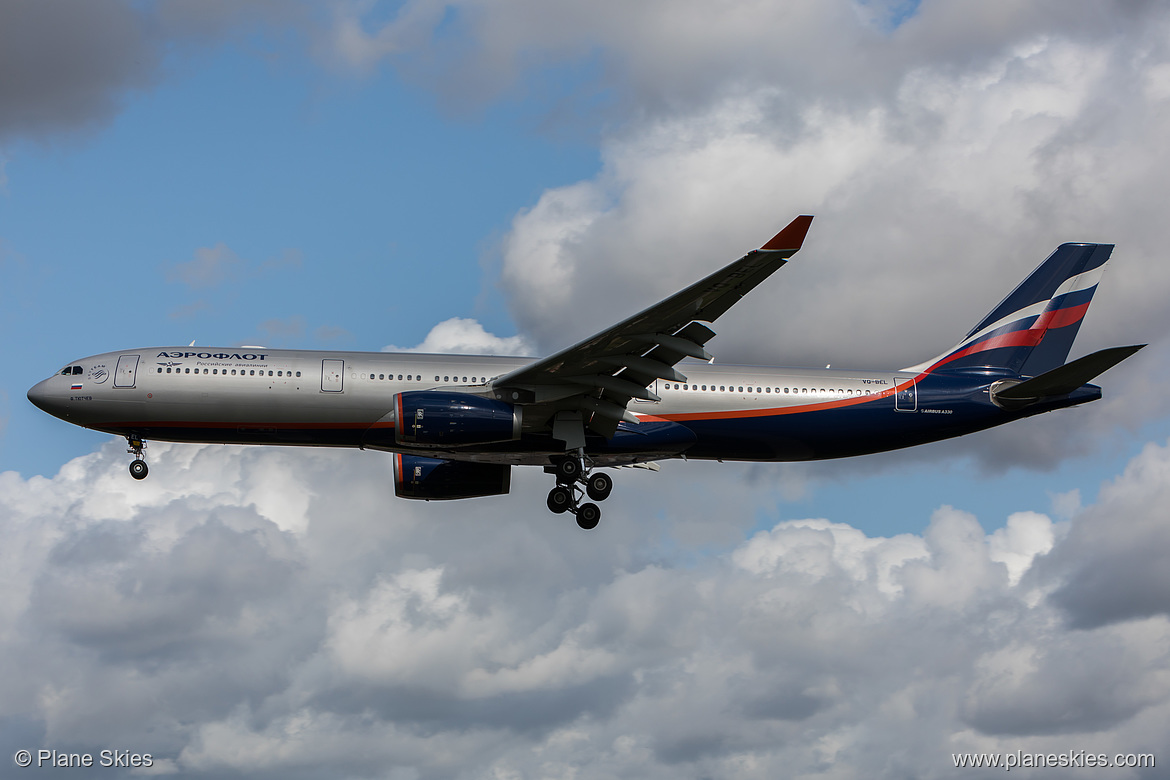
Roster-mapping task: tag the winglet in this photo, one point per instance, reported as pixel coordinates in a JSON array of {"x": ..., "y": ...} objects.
[{"x": 790, "y": 238}]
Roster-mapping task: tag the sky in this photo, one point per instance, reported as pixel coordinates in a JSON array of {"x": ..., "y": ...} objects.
[{"x": 511, "y": 177}]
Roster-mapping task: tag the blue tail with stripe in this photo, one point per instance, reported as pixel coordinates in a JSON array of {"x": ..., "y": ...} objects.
[{"x": 1032, "y": 330}]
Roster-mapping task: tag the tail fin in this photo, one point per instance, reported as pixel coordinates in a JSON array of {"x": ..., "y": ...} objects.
[{"x": 1032, "y": 330}]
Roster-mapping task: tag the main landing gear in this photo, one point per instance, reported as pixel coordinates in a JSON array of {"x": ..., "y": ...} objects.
[
  {"x": 138, "y": 467},
  {"x": 571, "y": 474}
]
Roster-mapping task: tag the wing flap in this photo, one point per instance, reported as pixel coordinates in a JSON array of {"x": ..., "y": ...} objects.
[
  {"x": 682, "y": 346},
  {"x": 615, "y": 384}
]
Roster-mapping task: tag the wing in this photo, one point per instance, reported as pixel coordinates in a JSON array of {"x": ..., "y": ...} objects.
[{"x": 591, "y": 382}]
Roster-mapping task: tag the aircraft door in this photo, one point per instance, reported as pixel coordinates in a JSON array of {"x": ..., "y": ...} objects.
[
  {"x": 127, "y": 371},
  {"x": 332, "y": 375},
  {"x": 906, "y": 399}
]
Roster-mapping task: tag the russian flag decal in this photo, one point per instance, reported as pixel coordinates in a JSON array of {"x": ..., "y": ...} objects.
[{"x": 77, "y": 386}]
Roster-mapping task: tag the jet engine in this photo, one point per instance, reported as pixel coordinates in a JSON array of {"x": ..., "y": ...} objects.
[
  {"x": 431, "y": 418},
  {"x": 437, "y": 480}
]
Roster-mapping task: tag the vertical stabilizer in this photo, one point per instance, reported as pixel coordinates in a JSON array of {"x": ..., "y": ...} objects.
[{"x": 1032, "y": 330}]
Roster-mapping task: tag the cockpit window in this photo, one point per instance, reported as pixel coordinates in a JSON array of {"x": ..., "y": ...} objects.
[{"x": 76, "y": 370}]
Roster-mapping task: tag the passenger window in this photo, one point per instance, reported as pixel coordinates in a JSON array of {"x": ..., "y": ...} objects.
[
  {"x": 400, "y": 377},
  {"x": 464, "y": 379},
  {"x": 160, "y": 370},
  {"x": 298, "y": 373},
  {"x": 767, "y": 389},
  {"x": 722, "y": 389},
  {"x": 446, "y": 379}
]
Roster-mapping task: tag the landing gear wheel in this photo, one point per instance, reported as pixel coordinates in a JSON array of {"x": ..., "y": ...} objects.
[
  {"x": 568, "y": 471},
  {"x": 588, "y": 516},
  {"x": 560, "y": 499},
  {"x": 598, "y": 486},
  {"x": 138, "y": 468}
]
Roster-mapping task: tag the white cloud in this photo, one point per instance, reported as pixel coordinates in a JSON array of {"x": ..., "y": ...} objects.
[
  {"x": 318, "y": 626},
  {"x": 211, "y": 267},
  {"x": 460, "y": 335},
  {"x": 281, "y": 330},
  {"x": 932, "y": 205},
  {"x": 1026, "y": 535}
]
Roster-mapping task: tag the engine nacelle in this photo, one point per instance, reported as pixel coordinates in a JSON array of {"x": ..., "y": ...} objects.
[
  {"x": 433, "y": 418},
  {"x": 438, "y": 480}
]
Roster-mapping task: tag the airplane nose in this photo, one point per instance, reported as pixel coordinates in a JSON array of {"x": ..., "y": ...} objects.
[
  {"x": 38, "y": 394},
  {"x": 45, "y": 399}
]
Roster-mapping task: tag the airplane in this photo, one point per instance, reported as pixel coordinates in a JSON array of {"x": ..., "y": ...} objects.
[{"x": 642, "y": 391}]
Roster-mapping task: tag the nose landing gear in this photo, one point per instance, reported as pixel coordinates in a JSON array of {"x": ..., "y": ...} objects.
[
  {"x": 571, "y": 473},
  {"x": 138, "y": 467}
]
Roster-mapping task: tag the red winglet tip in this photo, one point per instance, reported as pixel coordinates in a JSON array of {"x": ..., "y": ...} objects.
[{"x": 791, "y": 237}]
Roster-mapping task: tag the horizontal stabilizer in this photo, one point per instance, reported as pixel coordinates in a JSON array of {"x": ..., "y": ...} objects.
[{"x": 1067, "y": 378}]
